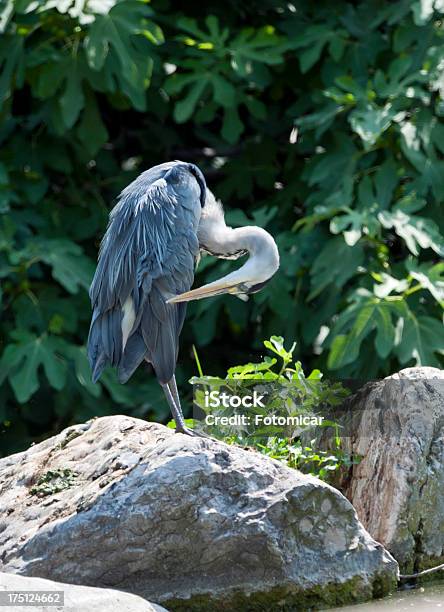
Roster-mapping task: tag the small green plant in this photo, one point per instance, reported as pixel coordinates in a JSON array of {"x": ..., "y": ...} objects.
[
  {"x": 289, "y": 393},
  {"x": 54, "y": 481},
  {"x": 70, "y": 436},
  {"x": 320, "y": 463}
]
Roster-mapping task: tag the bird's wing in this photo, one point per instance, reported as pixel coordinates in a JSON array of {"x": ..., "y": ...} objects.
[{"x": 148, "y": 254}]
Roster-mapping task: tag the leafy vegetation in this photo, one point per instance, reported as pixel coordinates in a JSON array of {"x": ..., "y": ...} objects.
[
  {"x": 286, "y": 392},
  {"x": 54, "y": 481},
  {"x": 322, "y": 122}
]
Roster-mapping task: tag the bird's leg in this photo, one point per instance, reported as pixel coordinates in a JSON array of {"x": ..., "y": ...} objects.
[
  {"x": 172, "y": 395},
  {"x": 172, "y": 385},
  {"x": 175, "y": 409}
]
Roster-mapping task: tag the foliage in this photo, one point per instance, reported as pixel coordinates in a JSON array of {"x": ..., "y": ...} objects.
[
  {"x": 321, "y": 122},
  {"x": 287, "y": 392},
  {"x": 323, "y": 464},
  {"x": 54, "y": 481}
]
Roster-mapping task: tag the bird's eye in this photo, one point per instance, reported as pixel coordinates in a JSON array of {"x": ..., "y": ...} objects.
[{"x": 258, "y": 286}]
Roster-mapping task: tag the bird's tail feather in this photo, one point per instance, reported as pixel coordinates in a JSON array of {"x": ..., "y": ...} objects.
[
  {"x": 104, "y": 342},
  {"x": 99, "y": 366},
  {"x": 135, "y": 351},
  {"x": 96, "y": 355}
]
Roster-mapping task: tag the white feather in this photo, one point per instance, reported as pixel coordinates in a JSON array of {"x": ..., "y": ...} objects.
[{"x": 129, "y": 316}]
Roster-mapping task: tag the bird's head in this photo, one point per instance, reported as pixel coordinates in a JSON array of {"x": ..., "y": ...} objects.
[{"x": 181, "y": 173}]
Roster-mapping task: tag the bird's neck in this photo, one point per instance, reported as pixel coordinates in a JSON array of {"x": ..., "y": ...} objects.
[
  {"x": 227, "y": 242},
  {"x": 230, "y": 243},
  {"x": 219, "y": 241}
]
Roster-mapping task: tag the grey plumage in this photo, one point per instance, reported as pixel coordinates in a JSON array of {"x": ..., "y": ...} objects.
[
  {"x": 147, "y": 255},
  {"x": 146, "y": 268}
]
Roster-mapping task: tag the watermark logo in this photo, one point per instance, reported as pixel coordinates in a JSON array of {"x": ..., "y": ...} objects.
[
  {"x": 215, "y": 399},
  {"x": 261, "y": 420},
  {"x": 256, "y": 407},
  {"x": 246, "y": 409}
]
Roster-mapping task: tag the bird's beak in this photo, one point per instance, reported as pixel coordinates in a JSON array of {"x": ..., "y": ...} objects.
[{"x": 218, "y": 287}]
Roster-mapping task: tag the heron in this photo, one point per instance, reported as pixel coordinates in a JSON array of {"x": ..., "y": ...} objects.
[{"x": 161, "y": 223}]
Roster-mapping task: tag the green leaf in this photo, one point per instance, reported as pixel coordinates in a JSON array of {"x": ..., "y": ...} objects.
[
  {"x": 12, "y": 63},
  {"x": 370, "y": 122},
  {"x": 122, "y": 34},
  {"x": 6, "y": 12},
  {"x": 153, "y": 33},
  {"x": 224, "y": 92},
  {"x": 256, "y": 108},
  {"x": 276, "y": 344},
  {"x": 429, "y": 277},
  {"x": 22, "y": 359},
  {"x": 91, "y": 130},
  {"x": 97, "y": 45},
  {"x": 388, "y": 283},
  {"x": 54, "y": 367},
  {"x": 385, "y": 335},
  {"x": 357, "y": 322},
  {"x": 417, "y": 232},
  {"x": 250, "y": 368},
  {"x": 49, "y": 78},
  {"x": 185, "y": 108},
  {"x": 113, "y": 30},
  {"x": 336, "y": 264},
  {"x": 336, "y": 47},
  {"x": 422, "y": 11},
  {"x": 411, "y": 145},
  {"x": 70, "y": 267},
  {"x": 385, "y": 182},
  {"x": 72, "y": 100},
  {"x": 361, "y": 220},
  {"x": 322, "y": 118},
  {"x": 250, "y": 45},
  {"x": 421, "y": 340},
  {"x": 232, "y": 126},
  {"x": 310, "y": 56},
  {"x": 345, "y": 348},
  {"x": 438, "y": 136}
]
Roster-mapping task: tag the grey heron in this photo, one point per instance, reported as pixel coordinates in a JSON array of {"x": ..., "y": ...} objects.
[{"x": 145, "y": 269}]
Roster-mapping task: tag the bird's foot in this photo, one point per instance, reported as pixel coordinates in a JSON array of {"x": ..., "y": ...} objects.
[{"x": 192, "y": 432}]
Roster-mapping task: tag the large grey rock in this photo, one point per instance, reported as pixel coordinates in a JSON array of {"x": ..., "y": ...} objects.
[
  {"x": 191, "y": 523},
  {"x": 397, "y": 488},
  {"x": 76, "y": 598}
]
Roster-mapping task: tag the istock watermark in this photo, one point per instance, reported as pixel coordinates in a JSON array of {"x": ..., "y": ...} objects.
[
  {"x": 324, "y": 411},
  {"x": 215, "y": 399},
  {"x": 257, "y": 407}
]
